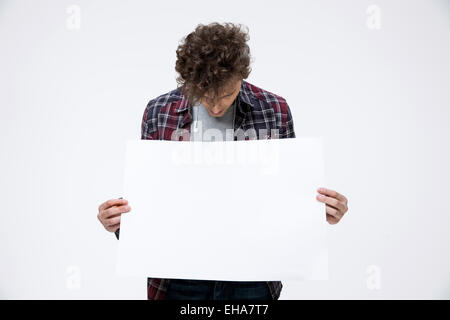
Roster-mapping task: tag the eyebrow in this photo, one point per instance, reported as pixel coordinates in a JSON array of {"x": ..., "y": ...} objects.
[{"x": 227, "y": 95}]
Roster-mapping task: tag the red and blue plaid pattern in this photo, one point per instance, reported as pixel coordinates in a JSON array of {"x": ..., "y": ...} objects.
[{"x": 259, "y": 115}]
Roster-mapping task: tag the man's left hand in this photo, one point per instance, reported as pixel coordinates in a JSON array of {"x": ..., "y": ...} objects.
[{"x": 336, "y": 204}]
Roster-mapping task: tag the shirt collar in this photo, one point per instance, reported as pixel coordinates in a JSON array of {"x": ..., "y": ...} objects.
[{"x": 245, "y": 95}]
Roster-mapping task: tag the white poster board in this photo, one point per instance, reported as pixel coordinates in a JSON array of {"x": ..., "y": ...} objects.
[{"x": 235, "y": 210}]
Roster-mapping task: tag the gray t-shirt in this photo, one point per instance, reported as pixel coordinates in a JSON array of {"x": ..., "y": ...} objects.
[{"x": 207, "y": 128}]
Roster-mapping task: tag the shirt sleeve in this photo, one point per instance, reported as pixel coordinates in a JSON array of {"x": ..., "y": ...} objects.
[
  {"x": 288, "y": 127},
  {"x": 149, "y": 126}
]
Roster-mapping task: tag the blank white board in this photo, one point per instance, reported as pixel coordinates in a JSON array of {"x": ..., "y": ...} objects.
[{"x": 234, "y": 210}]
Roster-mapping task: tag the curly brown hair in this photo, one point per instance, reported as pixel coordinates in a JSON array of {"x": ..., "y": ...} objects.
[{"x": 211, "y": 56}]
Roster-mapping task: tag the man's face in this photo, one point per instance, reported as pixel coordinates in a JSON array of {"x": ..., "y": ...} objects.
[{"x": 223, "y": 101}]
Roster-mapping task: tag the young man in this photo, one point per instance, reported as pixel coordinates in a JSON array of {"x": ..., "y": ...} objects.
[{"x": 214, "y": 102}]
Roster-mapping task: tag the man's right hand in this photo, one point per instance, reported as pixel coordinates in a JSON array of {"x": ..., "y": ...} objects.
[{"x": 109, "y": 213}]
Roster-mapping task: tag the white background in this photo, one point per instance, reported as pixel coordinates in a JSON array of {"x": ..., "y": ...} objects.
[{"x": 70, "y": 98}]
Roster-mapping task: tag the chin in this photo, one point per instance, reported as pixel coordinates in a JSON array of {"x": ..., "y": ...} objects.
[{"x": 216, "y": 115}]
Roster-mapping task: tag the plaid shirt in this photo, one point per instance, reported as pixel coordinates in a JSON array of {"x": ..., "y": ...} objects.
[{"x": 259, "y": 115}]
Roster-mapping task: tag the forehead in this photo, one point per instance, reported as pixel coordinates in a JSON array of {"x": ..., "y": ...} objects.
[{"x": 228, "y": 89}]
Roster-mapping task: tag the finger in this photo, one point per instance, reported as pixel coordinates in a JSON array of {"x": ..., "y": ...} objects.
[
  {"x": 112, "y": 221},
  {"x": 331, "y": 219},
  {"x": 331, "y": 201},
  {"x": 332, "y": 193},
  {"x": 113, "y": 228},
  {"x": 333, "y": 212},
  {"x": 112, "y": 202},
  {"x": 114, "y": 211}
]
